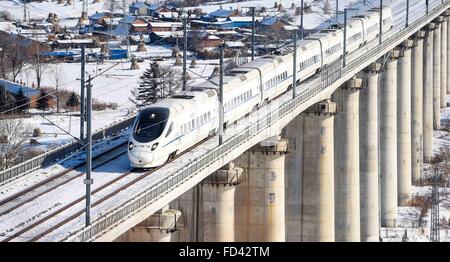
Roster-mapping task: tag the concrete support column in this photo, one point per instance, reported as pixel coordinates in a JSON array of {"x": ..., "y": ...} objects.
[
  {"x": 157, "y": 228},
  {"x": 317, "y": 198},
  {"x": 293, "y": 186},
  {"x": 444, "y": 77},
  {"x": 388, "y": 142},
  {"x": 218, "y": 192},
  {"x": 368, "y": 121},
  {"x": 437, "y": 77},
  {"x": 266, "y": 198},
  {"x": 347, "y": 187},
  {"x": 404, "y": 124},
  {"x": 448, "y": 52},
  {"x": 417, "y": 108},
  {"x": 428, "y": 94}
]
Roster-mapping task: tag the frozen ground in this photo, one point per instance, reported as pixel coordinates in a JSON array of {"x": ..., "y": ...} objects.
[{"x": 409, "y": 216}]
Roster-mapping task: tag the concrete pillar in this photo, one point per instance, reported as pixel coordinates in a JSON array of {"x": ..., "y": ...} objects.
[
  {"x": 347, "y": 194},
  {"x": 157, "y": 228},
  {"x": 428, "y": 94},
  {"x": 368, "y": 121},
  {"x": 388, "y": 142},
  {"x": 444, "y": 77},
  {"x": 266, "y": 198},
  {"x": 293, "y": 186},
  {"x": 417, "y": 107},
  {"x": 218, "y": 192},
  {"x": 437, "y": 77},
  {"x": 448, "y": 52},
  {"x": 318, "y": 173},
  {"x": 404, "y": 124}
]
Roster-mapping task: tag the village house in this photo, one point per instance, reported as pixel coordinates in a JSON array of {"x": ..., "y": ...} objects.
[
  {"x": 139, "y": 26},
  {"x": 164, "y": 26}
]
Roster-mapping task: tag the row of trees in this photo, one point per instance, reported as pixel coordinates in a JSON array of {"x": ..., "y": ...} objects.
[{"x": 19, "y": 103}]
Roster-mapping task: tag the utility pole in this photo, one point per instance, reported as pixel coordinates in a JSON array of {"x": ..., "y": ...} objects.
[
  {"x": 407, "y": 13},
  {"x": 89, "y": 181},
  {"x": 221, "y": 113},
  {"x": 82, "y": 86},
  {"x": 24, "y": 11},
  {"x": 434, "y": 226},
  {"x": 345, "y": 38},
  {"x": 381, "y": 22},
  {"x": 124, "y": 3},
  {"x": 302, "y": 29},
  {"x": 253, "y": 32},
  {"x": 294, "y": 74},
  {"x": 337, "y": 11},
  {"x": 184, "y": 53}
]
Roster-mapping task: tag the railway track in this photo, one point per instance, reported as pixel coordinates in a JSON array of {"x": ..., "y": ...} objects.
[
  {"x": 54, "y": 179},
  {"x": 78, "y": 213}
]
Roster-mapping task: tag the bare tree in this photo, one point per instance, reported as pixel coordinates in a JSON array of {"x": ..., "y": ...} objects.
[
  {"x": 57, "y": 78},
  {"x": 39, "y": 66},
  {"x": 13, "y": 136},
  {"x": 11, "y": 61}
]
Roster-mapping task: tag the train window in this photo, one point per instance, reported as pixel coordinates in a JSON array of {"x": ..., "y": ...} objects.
[
  {"x": 170, "y": 129},
  {"x": 150, "y": 124},
  {"x": 193, "y": 123},
  {"x": 209, "y": 115},
  {"x": 185, "y": 127}
]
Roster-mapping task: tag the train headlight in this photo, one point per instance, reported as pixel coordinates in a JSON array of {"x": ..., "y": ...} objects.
[
  {"x": 130, "y": 146},
  {"x": 154, "y": 146}
]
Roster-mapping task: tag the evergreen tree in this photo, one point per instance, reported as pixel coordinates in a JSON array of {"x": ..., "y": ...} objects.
[
  {"x": 155, "y": 84},
  {"x": 43, "y": 100},
  {"x": 7, "y": 101},
  {"x": 72, "y": 100},
  {"x": 21, "y": 101}
]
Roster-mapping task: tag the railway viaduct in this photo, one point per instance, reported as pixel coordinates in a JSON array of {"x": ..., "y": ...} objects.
[
  {"x": 338, "y": 170},
  {"x": 332, "y": 163}
]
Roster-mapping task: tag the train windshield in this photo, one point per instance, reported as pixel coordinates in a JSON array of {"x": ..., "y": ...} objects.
[{"x": 150, "y": 124}]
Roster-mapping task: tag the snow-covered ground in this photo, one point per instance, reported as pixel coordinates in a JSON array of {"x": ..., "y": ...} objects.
[
  {"x": 36, "y": 10},
  {"x": 407, "y": 216}
]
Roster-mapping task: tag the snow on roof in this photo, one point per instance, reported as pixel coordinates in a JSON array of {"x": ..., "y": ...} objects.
[
  {"x": 290, "y": 27},
  {"x": 14, "y": 88},
  {"x": 221, "y": 13},
  {"x": 165, "y": 34},
  {"x": 243, "y": 18},
  {"x": 75, "y": 41},
  {"x": 165, "y": 24},
  {"x": 235, "y": 44}
]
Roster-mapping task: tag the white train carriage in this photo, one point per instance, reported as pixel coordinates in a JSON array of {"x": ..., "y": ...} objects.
[
  {"x": 309, "y": 58},
  {"x": 171, "y": 126},
  {"x": 355, "y": 31},
  {"x": 331, "y": 42}
]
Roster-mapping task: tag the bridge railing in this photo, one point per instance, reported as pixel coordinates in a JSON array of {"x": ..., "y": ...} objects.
[
  {"x": 62, "y": 151},
  {"x": 148, "y": 196}
]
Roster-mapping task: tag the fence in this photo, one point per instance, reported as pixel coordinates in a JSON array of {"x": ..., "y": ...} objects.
[{"x": 62, "y": 151}]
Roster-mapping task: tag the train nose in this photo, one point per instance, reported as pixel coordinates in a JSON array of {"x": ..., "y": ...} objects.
[{"x": 140, "y": 158}]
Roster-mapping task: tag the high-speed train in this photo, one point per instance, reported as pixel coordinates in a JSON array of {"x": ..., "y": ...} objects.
[{"x": 175, "y": 124}]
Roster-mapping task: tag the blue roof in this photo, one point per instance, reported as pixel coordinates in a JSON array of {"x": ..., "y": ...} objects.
[
  {"x": 138, "y": 5},
  {"x": 221, "y": 13},
  {"x": 153, "y": 7},
  {"x": 97, "y": 16},
  {"x": 14, "y": 88},
  {"x": 128, "y": 19},
  {"x": 269, "y": 21}
]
